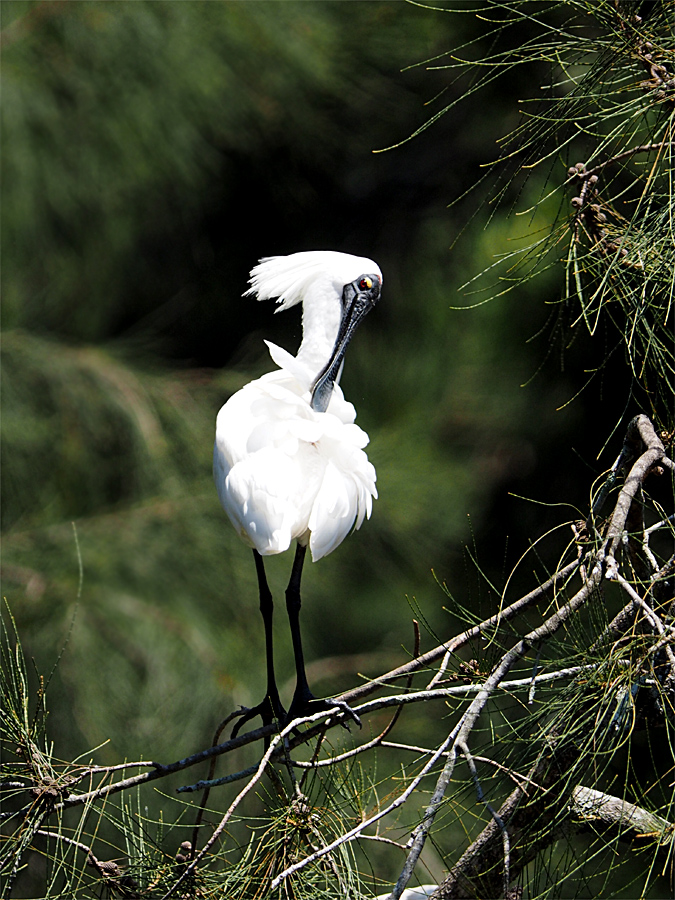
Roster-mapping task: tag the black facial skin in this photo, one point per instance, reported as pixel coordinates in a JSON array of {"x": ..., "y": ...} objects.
[{"x": 358, "y": 298}]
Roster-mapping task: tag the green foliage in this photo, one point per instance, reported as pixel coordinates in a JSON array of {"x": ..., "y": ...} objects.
[
  {"x": 120, "y": 434},
  {"x": 120, "y": 121},
  {"x": 601, "y": 132}
]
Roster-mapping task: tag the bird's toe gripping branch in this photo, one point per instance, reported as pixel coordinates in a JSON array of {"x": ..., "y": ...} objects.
[{"x": 269, "y": 710}]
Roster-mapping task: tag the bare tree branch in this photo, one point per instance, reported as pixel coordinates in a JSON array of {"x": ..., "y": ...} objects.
[{"x": 632, "y": 823}]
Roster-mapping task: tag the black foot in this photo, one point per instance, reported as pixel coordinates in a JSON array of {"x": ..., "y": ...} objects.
[
  {"x": 269, "y": 710},
  {"x": 307, "y": 705}
]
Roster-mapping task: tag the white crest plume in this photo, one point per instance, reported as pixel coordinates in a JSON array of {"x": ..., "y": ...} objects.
[{"x": 289, "y": 278}]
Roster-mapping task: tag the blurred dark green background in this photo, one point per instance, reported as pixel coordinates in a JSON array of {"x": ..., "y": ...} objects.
[{"x": 152, "y": 152}]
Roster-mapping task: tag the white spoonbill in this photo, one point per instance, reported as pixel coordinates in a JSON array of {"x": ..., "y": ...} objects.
[{"x": 288, "y": 459}]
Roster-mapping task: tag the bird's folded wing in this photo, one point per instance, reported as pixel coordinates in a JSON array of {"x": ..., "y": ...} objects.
[{"x": 258, "y": 497}]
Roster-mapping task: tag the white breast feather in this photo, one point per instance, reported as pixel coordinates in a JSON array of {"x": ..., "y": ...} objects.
[{"x": 285, "y": 472}]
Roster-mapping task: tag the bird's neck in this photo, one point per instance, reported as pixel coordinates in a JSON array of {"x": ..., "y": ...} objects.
[{"x": 320, "y": 324}]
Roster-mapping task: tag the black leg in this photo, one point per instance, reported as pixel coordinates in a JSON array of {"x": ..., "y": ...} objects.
[
  {"x": 304, "y": 702},
  {"x": 267, "y": 612},
  {"x": 270, "y": 708},
  {"x": 302, "y": 694}
]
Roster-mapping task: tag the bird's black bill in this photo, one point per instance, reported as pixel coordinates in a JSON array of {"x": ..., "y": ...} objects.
[{"x": 358, "y": 298}]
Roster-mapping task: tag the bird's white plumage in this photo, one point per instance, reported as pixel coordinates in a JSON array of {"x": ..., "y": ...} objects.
[{"x": 283, "y": 470}]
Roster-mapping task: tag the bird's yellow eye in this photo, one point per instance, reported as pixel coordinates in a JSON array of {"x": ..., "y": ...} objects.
[{"x": 365, "y": 284}]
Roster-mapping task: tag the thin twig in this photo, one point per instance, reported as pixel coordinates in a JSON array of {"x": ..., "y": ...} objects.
[
  {"x": 530, "y": 693},
  {"x": 106, "y": 868},
  {"x": 208, "y": 783},
  {"x": 209, "y": 778},
  {"x": 645, "y": 541},
  {"x": 425, "y": 751},
  {"x": 161, "y": 771},
  {"x": 382, "y": 840},
  {"x": 463, "y": 747},
  {"x": 504, "y": 615},
  {"x": 652, "y": 617},
  {"x": 643, "y": 148}
]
